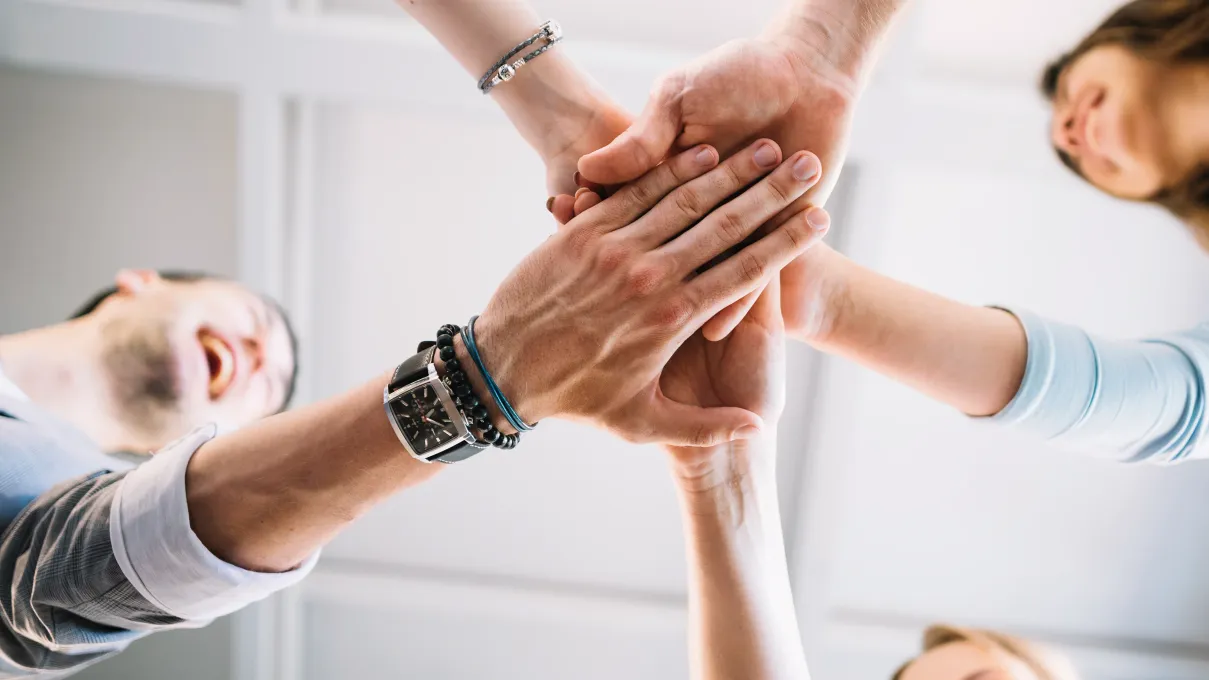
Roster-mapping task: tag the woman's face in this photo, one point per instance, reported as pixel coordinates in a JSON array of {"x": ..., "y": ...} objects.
[
  {"x": 966, "y": 661},
  {"x": 1107, "y": 120}
]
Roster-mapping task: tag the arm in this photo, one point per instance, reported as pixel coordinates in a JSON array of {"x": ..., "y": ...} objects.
[
  {"x": 741, "y": 614},
  {"x": 556, "y": 108},
  {"x": 1131, "y": 401}
]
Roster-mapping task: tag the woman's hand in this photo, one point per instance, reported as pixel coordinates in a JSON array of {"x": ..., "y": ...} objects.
[{"x": 583, "y": 327}]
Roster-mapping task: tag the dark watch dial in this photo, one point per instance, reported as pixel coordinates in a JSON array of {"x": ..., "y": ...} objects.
[{"x": 423, "y": 419}]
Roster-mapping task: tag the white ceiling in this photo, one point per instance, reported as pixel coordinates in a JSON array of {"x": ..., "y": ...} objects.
[{"x": 1000, "y": 41}]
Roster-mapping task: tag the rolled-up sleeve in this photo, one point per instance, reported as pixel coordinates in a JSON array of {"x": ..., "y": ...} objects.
[
  {"x": 99, "y": 561},
  {"x": 162, "y": 557},
  {"x": 1133, "y": 401}
]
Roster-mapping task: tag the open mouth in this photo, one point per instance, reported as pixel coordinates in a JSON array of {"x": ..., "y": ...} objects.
[{"x": 220, "y": 360}]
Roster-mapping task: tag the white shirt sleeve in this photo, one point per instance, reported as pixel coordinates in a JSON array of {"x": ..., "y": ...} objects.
[
  {"x": 1132, "y": 401},
  {"x": 162, "y": 557}
]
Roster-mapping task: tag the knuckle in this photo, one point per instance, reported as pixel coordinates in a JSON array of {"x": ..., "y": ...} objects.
[
  {"x": 751, "y": 268},
  {"x": 732, "y": 226},
  {"x": 732, "y": 178},
  {"x": 611, "y": 255},
  {"x": 672, "y": 313},
  {"x": 687, "y": 202},
  {"x": 798, "y": 232},
  {"x": 778, "y": 192},
  {"x": 643, "y": 278},
  {"x": 642, "y": 194}
]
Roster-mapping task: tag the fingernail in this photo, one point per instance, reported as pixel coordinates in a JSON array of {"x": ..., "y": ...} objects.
[
  {"x": 806, "y": 168},
  {"x": 579, "y": 180},
  {"x": 550, "y": 204},
  {"x": 818, "y": 219},
  {"x": 746, "y": 432},
  {"x": 704, "y": 157},
  {"x": 765, "y": 156},
  {"x": 580, "y": 192}
]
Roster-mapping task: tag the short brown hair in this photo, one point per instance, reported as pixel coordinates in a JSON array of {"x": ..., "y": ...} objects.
[
  {"x": 1046, "y": 664},
  {"x": 1170, "y": 31}
]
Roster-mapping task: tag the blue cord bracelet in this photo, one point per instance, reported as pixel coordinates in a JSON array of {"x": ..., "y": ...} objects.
[{"x": 497, "y": 394}]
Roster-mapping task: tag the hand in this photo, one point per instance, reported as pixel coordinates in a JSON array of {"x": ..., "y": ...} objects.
[
  {"x": 583, "y": 327},
  {"x": 775, "y": 86},
  {"x": 594, "y": 125},
  {"x": 744, "y": 370}
]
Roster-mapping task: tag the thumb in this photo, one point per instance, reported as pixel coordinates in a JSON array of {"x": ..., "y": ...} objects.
[
  {"x": 676, "y": 424},
  {"x": 641, "y": 147}
]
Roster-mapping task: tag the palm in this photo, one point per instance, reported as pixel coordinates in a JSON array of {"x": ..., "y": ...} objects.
[{"x": 745, "y": 370}]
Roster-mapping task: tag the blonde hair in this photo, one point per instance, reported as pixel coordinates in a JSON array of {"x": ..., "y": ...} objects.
[{"x": 1044, "y": 663}]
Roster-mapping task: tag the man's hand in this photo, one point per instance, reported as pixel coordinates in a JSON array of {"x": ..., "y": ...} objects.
[{"x": 584, "y": 326}]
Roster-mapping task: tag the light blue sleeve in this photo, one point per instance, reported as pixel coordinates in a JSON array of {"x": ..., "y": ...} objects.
[{"x": 1131, "y": 401}]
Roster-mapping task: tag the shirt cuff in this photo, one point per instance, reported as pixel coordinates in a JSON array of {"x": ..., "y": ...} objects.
[
  {"x": 161, "y": 556},
  {"x": 1050, "y": 400}
]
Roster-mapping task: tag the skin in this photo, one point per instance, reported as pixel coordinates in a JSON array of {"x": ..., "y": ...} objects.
[
  {"x": 967, "y": 661},
  {"x": 218, "y": 352},
  {"x": 1132, "y": 126},
  {"x": 741, "y": 615}
]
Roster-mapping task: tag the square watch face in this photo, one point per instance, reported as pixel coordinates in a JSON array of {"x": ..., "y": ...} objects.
[{"x": 423, "y": 419}]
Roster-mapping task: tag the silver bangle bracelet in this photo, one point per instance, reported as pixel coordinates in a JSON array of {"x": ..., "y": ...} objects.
[{"x": 505, "y": 69}]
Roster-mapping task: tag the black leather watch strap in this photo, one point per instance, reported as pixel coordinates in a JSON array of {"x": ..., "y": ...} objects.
[{"x": 413, "y": 369}]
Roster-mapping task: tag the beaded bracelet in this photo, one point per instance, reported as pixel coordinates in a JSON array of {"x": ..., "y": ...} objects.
[
  {"x": 467, "y": 402},
  {"x": 497, "y": 394}
]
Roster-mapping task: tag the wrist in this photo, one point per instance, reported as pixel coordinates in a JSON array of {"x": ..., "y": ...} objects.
[
  {"x": 550, "y": 102},
  {"x": 478, "y": 384},
  {"x": 815, "y": 296},
  {"x": 836, "y": 37},
  {"x": 708, "y": 474}
]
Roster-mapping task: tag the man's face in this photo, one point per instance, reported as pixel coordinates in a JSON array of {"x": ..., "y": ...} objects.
[{"x": 183, "y": 354}]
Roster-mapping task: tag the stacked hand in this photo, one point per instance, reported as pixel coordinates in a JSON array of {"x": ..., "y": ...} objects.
[
  {"x": 585, "y": 325},
  {"x": 774, "y": 87}
]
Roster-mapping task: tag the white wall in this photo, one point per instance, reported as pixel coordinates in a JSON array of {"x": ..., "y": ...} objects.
[
  {"x": 100, "y": 174},
  {"x": 564, "y": 558}
]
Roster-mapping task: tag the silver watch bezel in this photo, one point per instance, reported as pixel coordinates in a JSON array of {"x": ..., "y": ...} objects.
[{"x": 433, "y": 380}]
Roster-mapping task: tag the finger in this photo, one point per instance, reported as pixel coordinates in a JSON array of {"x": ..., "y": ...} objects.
[
  {"x": 720, "y": 325},
  {"x": 730, "y": 224},
  {"x": 766, "y": 312},
  {"x": 642, "y": 146},
  {"x": 563, "y": 208},
  {"x": 583, "y": 183},
  {"x": 746, "y": 271},
  {"x": 585, "y": 201},
  {"x": 669, "y": 422},
  {"x": 634, "y": 199},
  {"x": 689, "y": 203}
]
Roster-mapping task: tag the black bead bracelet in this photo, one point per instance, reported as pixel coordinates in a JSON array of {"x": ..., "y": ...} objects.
[{"x": 467, "y": 401}]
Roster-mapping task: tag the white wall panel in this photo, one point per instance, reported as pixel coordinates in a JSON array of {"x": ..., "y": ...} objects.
[
  {"x": 366, "y": 628},
  {"x": 99, "y": 174}
]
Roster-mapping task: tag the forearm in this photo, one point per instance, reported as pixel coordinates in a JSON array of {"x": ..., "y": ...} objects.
[
  {"x": 550, "y": 101},
  {"x": 845, "y": 34},
  {"x": 972, "y": 358},
  {"x": 742, "y": 622},
  {"x": 267, "y": 497}
]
